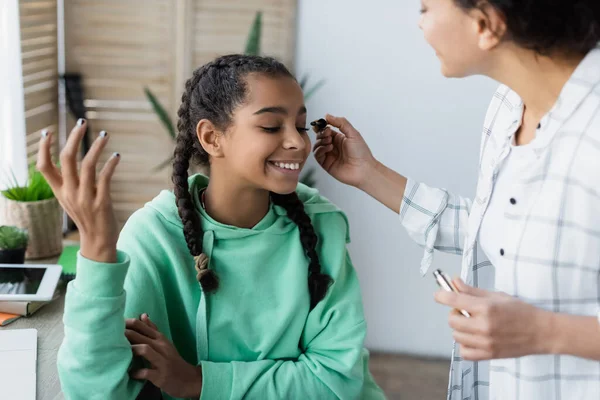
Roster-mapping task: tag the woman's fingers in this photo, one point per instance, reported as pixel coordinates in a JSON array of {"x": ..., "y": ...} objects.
[
  {"x": 322, "y": 142},
  {"x": 88, "y": 165},
  {"x": 68, "y": 156},
  {"x": 343, "y": 125},
  {"x": 45, "y": 164},
  {"x": 321, "y": 153}
]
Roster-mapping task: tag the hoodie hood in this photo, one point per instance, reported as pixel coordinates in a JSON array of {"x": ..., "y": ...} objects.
[{"x": 275, "y": 222}]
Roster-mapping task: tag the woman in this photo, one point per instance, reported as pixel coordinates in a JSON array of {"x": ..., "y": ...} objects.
[{"x": 536, "y": 215}]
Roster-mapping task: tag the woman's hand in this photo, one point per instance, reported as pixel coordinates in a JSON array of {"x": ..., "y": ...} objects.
[
  {"x": 500, "y": 326},
  {"x": 344, "y": 155},
  {"x": 169, "y": 372},
  {"x": 85, "y": 198}
]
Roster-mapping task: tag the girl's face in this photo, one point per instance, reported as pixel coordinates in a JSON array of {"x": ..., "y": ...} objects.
[
  {"x": 461, "y": 39},
  {"x": 267, "y": 144}
]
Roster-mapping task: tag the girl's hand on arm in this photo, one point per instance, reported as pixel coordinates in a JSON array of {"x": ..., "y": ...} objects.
[
  {"x": 169, "y": 371},
  {"x": 84, "y": 196}
]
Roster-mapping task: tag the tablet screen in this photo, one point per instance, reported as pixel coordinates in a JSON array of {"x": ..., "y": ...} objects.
[{"x": 20, "y": 280}]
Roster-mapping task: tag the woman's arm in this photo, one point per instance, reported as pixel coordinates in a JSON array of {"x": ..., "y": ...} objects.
[
  {"x": 502, "y": 326},
  {"x": 434, "y": 218}
]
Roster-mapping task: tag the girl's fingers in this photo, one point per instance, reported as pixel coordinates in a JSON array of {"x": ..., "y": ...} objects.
[
  {"x": 106, "y": 175},
  {"x": 145, "y": 374},
  {"x": 68, "y": 156},
  {"x": 88, "y": 165},
  {"x": 45, "y": 164},
  {"x": 140, "y": 327},
  {"x": 135, "y": 337},
  {"x": 146, "y": 351},
  {"x": 145, "y": 318}
]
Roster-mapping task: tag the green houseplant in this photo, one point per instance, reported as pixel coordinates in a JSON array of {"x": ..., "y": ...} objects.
[
  {"x": 13, "y": 243},
  {"x": 252, "y": 48},
  {"x": 33, "y": 207}
]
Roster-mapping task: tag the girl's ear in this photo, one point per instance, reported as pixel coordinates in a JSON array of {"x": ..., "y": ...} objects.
[{"x": 210, "y": 138}]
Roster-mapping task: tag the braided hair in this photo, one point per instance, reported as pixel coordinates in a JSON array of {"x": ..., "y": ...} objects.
[{"x": 213, "y": 92}]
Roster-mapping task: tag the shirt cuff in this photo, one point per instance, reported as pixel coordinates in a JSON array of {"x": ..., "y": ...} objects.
[
  {"x": 101, "y": 279},
  {"x": 217, "y": 380}
]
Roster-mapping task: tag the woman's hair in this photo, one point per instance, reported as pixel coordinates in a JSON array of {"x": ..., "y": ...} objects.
[
  {"x": 214, "y": 92},
  {"x": 549, "y": 26}
]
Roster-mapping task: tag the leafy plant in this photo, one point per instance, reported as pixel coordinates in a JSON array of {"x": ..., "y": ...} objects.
[
  {"x": 36, "y": 189},
  {"x": 253, "y": 41},
  {"x": 13, "y": 238},
  {"x": 252, "y": 48}
]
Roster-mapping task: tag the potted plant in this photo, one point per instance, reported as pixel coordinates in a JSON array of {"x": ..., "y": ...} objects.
[
  {"x": 34, "y": 208},
  {"x": 13, "y": 243}
]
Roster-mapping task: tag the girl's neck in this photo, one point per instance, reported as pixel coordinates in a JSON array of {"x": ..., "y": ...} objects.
[{"x": 235, "y": 206}]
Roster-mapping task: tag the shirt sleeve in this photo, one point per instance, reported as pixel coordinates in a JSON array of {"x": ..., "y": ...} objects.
[{"x": 435, "y": 219}]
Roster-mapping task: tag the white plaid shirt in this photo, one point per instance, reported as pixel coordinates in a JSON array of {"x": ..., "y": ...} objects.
[{"x": 551, "y": 240}]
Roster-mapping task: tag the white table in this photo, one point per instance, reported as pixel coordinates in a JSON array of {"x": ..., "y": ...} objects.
[{"x": 49, "y": 324}]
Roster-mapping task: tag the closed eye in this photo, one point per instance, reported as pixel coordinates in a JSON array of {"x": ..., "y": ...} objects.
[
  {"x": 273, "y": 129},
  {"x": 276, "y": 129}
]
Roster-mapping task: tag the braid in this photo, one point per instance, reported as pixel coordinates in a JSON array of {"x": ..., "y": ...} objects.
[
  {"x": 192, "y": 228},
  {"x": 318, "y": 283}
]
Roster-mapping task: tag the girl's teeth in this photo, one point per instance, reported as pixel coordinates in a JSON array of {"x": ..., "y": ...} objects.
[{"x": 292, "y": 166}]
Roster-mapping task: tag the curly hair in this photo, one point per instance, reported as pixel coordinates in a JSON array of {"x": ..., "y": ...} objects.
[
  {"x": 213, "y": 92},
  {"x": 548, "y": 26}
]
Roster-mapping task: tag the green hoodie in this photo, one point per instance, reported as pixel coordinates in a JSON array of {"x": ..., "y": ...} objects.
[{"x": 254, "y": 338}]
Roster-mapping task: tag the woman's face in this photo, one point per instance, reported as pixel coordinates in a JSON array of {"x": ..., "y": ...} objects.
[{"x": 460, "y": 38}]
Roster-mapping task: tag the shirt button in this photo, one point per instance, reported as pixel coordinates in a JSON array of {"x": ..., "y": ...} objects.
[
  {"x": 513, "y": 201},
  {"x": 502, "y": 252}
]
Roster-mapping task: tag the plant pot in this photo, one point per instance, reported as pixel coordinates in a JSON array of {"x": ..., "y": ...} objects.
[
  {"x": 12, "y": 256},
  {"x": 43, "y": 221}
]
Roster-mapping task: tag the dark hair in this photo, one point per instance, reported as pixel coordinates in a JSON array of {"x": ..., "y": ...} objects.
[
  {"x": 549, "y": 26},
  {"x": 213, "y": 92}
]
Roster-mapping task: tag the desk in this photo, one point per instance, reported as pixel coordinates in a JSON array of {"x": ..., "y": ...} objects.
[{"x": 48, "y": 321}]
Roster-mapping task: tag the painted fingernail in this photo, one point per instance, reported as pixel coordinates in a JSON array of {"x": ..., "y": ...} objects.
[
  {"x": 116, "y": 155},
  {"x": 44, "y": 133},
  {"x": 80, "y": 121},
  {"x": 103, "y": 134}
]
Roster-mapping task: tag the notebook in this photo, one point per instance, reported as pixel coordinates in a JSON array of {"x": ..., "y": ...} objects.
[{"x": 18, "y": 363}]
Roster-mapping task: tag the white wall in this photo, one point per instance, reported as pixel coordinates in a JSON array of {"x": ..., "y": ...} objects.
[
  {"x": 385, "y": 79},
  {"x": 13, "y": 148}
]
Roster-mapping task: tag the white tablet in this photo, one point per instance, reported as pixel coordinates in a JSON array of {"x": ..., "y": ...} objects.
[{"x": 28, "y": 282}]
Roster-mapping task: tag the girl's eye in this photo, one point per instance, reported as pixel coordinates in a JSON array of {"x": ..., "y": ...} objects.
[
  {"x": 274, "y": 129},
  {"x": 423, "y": 10}
]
